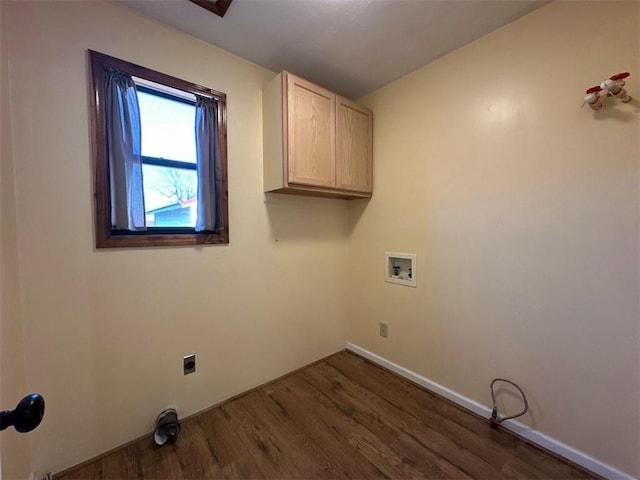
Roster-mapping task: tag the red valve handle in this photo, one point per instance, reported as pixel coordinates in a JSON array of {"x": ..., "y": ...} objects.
[
  {"x": 595, "y": 89},
  {"x": 620, "y": 76}
]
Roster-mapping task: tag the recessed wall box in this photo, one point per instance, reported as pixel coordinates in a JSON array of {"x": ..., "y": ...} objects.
[{"x": 400, "y": 268}]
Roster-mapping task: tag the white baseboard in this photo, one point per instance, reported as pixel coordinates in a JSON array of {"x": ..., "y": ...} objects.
[{"x": 533, "y": 436}]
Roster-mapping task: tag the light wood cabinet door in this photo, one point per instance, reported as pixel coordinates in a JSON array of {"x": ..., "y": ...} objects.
[
  {"x": 314, "y": 141},
  {"x": 311, "y": 155},
  {"x": 354, "y": 138}
]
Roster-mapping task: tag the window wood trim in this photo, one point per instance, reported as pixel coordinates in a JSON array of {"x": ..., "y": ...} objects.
[{"x": 105, "y": 237}]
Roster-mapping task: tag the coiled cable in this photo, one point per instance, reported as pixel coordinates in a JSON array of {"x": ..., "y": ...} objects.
[{"x": 494, "y": 420}]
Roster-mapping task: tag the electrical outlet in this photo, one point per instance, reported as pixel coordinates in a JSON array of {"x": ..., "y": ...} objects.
[
  {"x": 189, "y": 364},
  {"x": 384, "y": 330}
]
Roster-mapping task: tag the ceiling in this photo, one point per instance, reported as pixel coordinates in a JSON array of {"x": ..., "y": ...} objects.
[{"x": 349, "y": 46}]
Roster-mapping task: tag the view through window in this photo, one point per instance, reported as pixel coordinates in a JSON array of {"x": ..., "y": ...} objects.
[{"x": 169, "y": 158}]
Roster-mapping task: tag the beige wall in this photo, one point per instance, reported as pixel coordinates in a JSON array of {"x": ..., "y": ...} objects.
[
  {"x": 105, "y": 331},
  {"x": 522, "y": 208},
  {"x": 14, "y": 447},
  {"x": 523, "y": 211}
]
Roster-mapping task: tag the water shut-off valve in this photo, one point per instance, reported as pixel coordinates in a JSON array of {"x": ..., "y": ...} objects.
[{"x": 611, "y": 87}]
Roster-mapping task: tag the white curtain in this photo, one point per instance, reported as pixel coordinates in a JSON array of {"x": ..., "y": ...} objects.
[
  {"x": 209, "y": 210},
  {"x": 123, "y": 139}
]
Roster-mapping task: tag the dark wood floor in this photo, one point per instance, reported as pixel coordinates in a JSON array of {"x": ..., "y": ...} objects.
[{"x": 343, "y": 417}]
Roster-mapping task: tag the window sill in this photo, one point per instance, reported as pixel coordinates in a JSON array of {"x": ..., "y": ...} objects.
[{"x": 146, "y": 239}]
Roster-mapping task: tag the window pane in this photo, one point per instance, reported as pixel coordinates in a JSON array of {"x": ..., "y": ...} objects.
[
  {"x": 168, "y": 128},
  {"x": 170, "y": 196}
]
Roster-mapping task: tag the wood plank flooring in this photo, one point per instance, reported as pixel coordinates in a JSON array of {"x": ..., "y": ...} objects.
[{"x": 343, "y": 417}]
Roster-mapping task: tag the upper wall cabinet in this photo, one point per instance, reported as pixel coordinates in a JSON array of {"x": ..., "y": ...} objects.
[{"x": 315, "y": 142}]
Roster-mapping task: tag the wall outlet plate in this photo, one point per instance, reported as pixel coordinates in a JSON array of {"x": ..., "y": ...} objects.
[
  {"x": 384, "y": 330},
  {"x": 189, "y": 364}
]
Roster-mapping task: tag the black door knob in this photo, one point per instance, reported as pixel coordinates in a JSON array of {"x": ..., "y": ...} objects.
[{"x": 27, "y": 415}]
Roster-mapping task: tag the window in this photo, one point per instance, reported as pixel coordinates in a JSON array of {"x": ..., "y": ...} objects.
[
  {"x": 159, "y": 148},
  {"x": 168, "y": 157}
]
